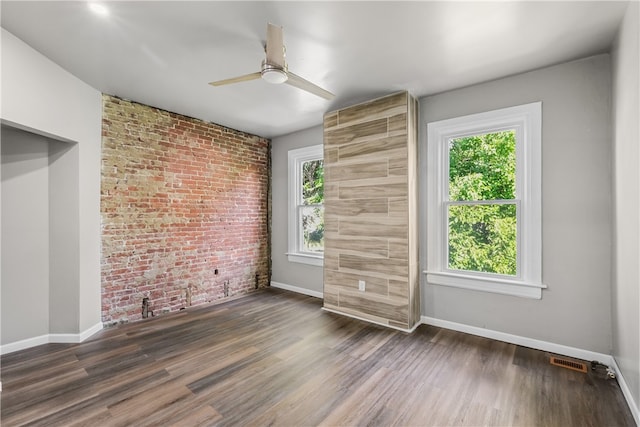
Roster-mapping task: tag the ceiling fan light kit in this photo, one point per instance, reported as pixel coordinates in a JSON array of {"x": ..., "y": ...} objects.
[
  {"x": 274, "y": 68},
  {"x": 273, "y": 75}
]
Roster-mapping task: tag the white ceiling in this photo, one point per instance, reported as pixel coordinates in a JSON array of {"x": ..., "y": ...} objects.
[{"x": 164, "y": 53}]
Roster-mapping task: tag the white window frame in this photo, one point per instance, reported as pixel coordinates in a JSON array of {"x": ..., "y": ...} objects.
[
  {"x": 526, "y": 120},
  {"x": 297, "y": 158}
]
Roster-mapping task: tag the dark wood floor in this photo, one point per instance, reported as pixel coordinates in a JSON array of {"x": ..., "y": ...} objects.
[{"x": 275, "y": 358}]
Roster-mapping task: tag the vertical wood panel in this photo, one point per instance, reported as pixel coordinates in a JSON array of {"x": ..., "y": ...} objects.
[
  {"x": 412, "y": 174},
  {"x": 370, "y": 223}
]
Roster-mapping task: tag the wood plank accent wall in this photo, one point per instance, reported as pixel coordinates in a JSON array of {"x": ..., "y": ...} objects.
[{"x": 371, "y": 230}]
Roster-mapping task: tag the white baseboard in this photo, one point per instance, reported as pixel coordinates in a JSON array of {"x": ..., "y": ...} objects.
[
  {"x": 564, "y": 350},
  {"x": 297, "y": 289},
  {"x": 75, "y": 338},
  {"x": 626, "y": 392},
  {"x": 91, "y": 331},
  {"x": 22, "y": 344},
  {"x": 50, "y": 338}
]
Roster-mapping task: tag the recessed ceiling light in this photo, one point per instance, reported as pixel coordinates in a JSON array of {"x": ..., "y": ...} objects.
[{"x": 98, "y": 9}]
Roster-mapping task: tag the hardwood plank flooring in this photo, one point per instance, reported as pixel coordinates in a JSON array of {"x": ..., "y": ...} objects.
[{"x": 275, "y": 358}]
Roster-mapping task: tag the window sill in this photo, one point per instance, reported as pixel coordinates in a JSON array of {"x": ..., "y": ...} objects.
[
  {"x": 485, "y": 284},
  {"x": 306, "y": 259}
]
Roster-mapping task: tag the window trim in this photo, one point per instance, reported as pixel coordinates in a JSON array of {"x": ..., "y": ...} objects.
[
  {"x": 527, "y": 121},
  {"x": 296, "y": 158}
]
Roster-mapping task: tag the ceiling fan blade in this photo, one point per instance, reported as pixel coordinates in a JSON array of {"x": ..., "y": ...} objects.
[
  {"x": 300, "y": 83},
  {"x": 238, "y": 79},
  {"x": 275, "y": 46}
]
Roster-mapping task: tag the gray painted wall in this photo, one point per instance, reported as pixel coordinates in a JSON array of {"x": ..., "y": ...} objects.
[
  {"x": 25, "y": 235},
  {"x": 626, "y": 146},
  {"x": 41, "y": 97},
  {"x": 64, "y": 237},
  {"x": 575, "y": 310},
  {"x": 289, "y": 273}
]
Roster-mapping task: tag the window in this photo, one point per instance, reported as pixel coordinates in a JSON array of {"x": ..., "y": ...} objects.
[
  {"x": 306, "y": 205},
  {"x": 484, "y": 201}
]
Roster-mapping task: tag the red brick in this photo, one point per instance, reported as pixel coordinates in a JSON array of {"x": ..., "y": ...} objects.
[{"x": 180, "y": 198}]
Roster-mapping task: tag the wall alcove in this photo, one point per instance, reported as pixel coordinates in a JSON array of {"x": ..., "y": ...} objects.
[{"x": 40, "y": 235}]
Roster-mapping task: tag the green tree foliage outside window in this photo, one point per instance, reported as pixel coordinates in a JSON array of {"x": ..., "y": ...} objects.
[
  {"x": 482, "y": 236},
  {"x": 312, "y": 210}
]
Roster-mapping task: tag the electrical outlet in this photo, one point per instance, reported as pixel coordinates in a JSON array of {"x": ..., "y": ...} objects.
[{"x": 361, "y": 285}]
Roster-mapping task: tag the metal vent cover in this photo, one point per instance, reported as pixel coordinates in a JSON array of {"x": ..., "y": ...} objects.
[{"x": 569, "y": 364}]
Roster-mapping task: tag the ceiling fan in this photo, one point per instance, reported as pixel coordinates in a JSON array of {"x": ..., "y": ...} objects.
[{"x": 274, "y": 68}]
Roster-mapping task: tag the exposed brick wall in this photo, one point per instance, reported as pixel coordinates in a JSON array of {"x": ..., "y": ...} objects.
[{"x": 180, "y": 198}]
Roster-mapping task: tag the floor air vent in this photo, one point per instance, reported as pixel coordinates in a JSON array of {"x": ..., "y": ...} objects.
[{"x": 569, "y": 364}]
